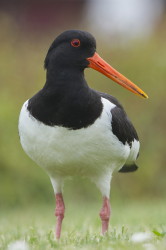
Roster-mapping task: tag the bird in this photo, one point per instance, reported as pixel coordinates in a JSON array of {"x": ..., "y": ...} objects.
[{"x": 70, "y": 129}]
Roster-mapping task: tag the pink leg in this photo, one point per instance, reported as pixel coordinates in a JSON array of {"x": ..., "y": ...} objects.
[
  {"x": 105, "y": 214},
  {"x": 59, "y": 212}
]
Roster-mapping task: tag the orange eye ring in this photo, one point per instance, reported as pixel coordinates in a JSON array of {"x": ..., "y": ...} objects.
[{"x": 75, "y": 43}]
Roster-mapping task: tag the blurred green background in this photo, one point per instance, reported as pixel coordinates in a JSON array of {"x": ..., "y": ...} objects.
[{"x": 26, "y": 31}]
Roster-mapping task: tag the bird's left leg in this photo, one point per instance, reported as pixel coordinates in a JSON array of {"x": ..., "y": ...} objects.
[
  {"x": 105, "y": 214},
  {"x": 103, "y": 183},
  {"x": 60, "y": 206},
  {"x": 59, "y": 213}
]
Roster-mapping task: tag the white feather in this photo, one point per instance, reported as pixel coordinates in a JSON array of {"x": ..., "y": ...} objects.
[
  {"x": 18, "y": 245},
  {"x": 141, "y": 237},
  {"x": 133, "y": 152}
]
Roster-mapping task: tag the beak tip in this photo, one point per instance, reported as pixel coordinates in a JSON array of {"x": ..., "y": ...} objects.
[
  {"x": 145, "y": 96},
  {"x": 97, "y": 63}
]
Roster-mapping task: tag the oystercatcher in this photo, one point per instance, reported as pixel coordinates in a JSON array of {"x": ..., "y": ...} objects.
[{"x": 69, "y": 129}]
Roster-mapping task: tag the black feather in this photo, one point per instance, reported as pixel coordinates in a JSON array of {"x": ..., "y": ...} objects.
[
  {"x": 128, "y": 168},
  {"x": 121, "y": 125}
]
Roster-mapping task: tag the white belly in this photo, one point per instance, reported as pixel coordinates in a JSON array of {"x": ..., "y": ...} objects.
[{"x": 67, "y": 152}]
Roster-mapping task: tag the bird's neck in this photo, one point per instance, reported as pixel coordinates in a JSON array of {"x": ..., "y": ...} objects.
[
  {"x": 66, "y": 100},
  {"x": 64, "y": 80}
]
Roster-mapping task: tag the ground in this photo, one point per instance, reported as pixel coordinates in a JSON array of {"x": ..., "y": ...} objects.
[{"x": 81, "y": 227}]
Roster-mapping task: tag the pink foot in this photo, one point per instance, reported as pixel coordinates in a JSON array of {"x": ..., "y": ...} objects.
[
  {"x": 105, "y": 215},
  {"x": 59, "y": 213}
]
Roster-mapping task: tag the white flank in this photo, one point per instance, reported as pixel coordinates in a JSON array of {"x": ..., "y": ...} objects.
[
  {"x": 133, "y": 152},
  {"x": 140, "y": 237},
  {"x": 18, "y": 245}
]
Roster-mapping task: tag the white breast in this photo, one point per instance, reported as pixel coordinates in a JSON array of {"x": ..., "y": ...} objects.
[{"x": 66, "y": 152}]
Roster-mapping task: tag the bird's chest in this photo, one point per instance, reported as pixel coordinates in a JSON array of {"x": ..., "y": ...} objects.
[{"x": 70, "y": 152}]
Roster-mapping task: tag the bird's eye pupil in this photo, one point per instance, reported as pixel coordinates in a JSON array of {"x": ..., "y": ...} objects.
[{"x": 75, "y": 42}]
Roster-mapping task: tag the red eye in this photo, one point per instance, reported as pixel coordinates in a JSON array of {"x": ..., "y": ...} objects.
[{"x": 75, "y": 43}]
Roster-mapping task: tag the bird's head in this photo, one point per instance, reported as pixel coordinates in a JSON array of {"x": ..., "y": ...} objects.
[
  {"x": 76, "y": 50},
  {"x": 71, "y": 49}
]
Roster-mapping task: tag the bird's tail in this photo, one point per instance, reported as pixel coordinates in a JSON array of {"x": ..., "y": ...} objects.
[{"x": 128, "y": 168}]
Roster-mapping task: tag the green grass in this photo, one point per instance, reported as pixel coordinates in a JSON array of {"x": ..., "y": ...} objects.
[{"x": 81, "y": 226}]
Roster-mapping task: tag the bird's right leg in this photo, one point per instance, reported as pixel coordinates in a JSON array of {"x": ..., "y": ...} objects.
[{"x": 60, "y": 206}]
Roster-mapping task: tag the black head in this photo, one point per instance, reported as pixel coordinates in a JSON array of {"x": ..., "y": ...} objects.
[
  {"x": 71, "y": 48},
  {"x": 74, "y": 50}
]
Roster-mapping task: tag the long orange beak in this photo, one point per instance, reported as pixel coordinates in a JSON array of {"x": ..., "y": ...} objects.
[{"x": 97, "y": 63}]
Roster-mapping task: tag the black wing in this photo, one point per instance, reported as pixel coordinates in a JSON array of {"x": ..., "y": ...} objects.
[{"x": 122, "y": 128}]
